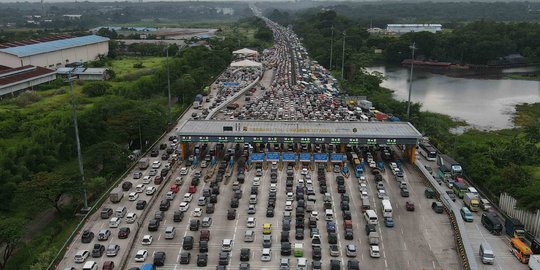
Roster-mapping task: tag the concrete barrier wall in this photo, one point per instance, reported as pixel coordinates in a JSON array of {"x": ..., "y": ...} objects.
[{"x": 225, "y": 103}]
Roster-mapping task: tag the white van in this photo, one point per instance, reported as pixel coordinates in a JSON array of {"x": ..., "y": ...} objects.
[
  {"x": 114, "y": 222},
  {"x": 473, "y": 191},
  {"x": 90, "y": 265},
  {"x": 370, "y": 216},
  {"x": 170, "y": 232},
  {"x": 328, "y": 215},
  {"x": 120, "y": 212},
  {"x": 249, "y": 236},
  {"x": 486, "y": 253}
]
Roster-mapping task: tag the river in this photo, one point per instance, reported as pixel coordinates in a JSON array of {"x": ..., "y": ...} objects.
[{"x": 483, "y": 103}]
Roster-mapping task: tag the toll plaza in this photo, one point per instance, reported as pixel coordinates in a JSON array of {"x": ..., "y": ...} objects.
[{"x": 338, "y": 134}]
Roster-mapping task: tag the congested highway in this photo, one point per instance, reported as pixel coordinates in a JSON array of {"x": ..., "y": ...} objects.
[{"x": 280, "y": 215}]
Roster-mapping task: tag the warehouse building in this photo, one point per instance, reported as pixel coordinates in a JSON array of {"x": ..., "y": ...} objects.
[
  {"x": 17, "y": 79},
  {"x": 407, "y": 28},
  {"x": 54, "y": 53}
]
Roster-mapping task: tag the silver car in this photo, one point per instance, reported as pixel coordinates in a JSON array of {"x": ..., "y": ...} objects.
[{"x": 112, "y": 250}]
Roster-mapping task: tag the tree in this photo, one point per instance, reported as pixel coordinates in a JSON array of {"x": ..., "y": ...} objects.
[
  {"x": 11, "y": 230},
  {"x": 185, "y": 87},
  {"x": 46, "y": 188}
]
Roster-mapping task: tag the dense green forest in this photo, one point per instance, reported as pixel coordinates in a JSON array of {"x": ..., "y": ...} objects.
[
  {"x": 37, "y": 146},
  {"x": 479, "y": 42},
  {"x": 498, "y": 161}
]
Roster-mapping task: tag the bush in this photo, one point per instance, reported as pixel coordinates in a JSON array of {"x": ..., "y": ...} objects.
[{"x": 96, "y": 89}]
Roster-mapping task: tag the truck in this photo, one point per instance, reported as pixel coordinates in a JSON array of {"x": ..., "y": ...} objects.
[
  {"x": 471, "y": 201},
  {"x": 144, "y": 163},
  {"x": 116, "y": 195},
  {"x": 374, "y": 238},
  {"x": 380, "y": 165},
  {"x": 448, "y": 166},
  {"x": 534, "y": 262},
  {"x": 514, "y": 228}
]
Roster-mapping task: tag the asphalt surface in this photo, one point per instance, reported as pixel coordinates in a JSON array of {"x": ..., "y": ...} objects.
[{"x": 477, "y": 234}]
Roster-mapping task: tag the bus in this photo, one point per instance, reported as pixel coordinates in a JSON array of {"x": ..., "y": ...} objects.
[
  {"x": 387, "y": 208},
  {"x": 428, "y": 151},
  {"x": 520, "y": 250}
]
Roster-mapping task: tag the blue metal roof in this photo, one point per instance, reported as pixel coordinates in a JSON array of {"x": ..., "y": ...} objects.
[{"x": 51, "y": 46}]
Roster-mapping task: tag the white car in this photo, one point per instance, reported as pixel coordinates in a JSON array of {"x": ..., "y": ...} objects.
[
  {"x": 147, "y": 179},
  {"x": 114, "y": 222},
  {"x": 183, "y": 171},
  {"x": 374, "y": 251},
  {"x": 147, "y": 240},
  {"x": 184, "y": 206},
  {"x": 139, "y": 188},
  {"x": 141, "y": 255},
  {"x": 266, "y": 255},
  {"x": 351, "y": 250},
  {"x": 204, "y": 164},
  {"x": 131, "y": 217},
  {"x": 133, "y": 196},
  {"x": 290, "y": 196},
  {"x": 288, "y": 206},
  {"x": 188, "y": 197},
  {"x": 304, "y": 171},
  {"x": 251, "y": 222},
  {"x": 273, "y": 188},
  {"x": 150, "y": 190},
  {"x": 197, "y": 212},
  {"x": 156, "y": 164},
  {"x": 381, "y": 193},
  {"x": 364, "y": 194},
  {"x": 315, "y": 214},
  {"x": 257, "y": 181}
]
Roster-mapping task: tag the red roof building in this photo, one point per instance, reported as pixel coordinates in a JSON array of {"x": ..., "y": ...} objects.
[{"x": 26, "y": 77}]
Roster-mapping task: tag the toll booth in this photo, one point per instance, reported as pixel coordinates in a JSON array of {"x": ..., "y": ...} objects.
[
  {"x": 256, "y": 158},
  {"x": 271, "y": 157},
  {"x": 305, "y": 160},
  {"x": 289, "y": 158},
  {"x": 336, "y": 159}
]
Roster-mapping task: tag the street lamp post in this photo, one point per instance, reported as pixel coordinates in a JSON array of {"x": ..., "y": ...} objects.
[
  {"x": 332, "y": 48},
  {"x": 78, "y": 142},
  {"x": 169, "y": 87},
  {"x": 343, "y": 57},
  {"x": 413, "y": 48}
]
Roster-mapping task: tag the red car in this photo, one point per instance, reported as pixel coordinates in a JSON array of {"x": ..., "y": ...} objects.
[
  {"x": 192, "y": 189},
  {"x": 123, "y": 233},
  {"x": 409, "y": 205},
  {"x": 175, "y": 188}
]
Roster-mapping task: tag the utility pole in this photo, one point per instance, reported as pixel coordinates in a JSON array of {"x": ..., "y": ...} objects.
[
  {"x": 343, "y": 57},
  {"x": 332, "y": 48},
  {"x": 169, "y": 86},
  {"x": 78, "y": 142},
  {"x": 413, "y": 48}
]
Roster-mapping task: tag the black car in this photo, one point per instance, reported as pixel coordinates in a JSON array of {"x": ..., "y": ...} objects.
[
  {"x": 370, "y": 228},
  {"x": 164, "y": 205},
  {"x": 185, "y": 257},
  {"x": 345, "y": 206},
  {"x": 332, "y": 238},
  {"x": 202, "y": 259},
  {"x": 154, "y": 153},
  {"x": 87, "y": 236},
  {"x": 285, "y": 249},
  {"x": 98, "y": 250},
  {"x": 323, "y": 189},
  {"x": 203, "y": 246},
  {"x": 159, "y": 258},
  {"x": 187, "y": 244},
  {"x": 127, "y": 186},
  {"x": 316, "y": 265},
  {"x": 231, "y": 214},
  {"x": 178, "y": 216},
  {"x": 141, "y": 204},
  {"x": 349, "y": 235},
  {"x": 223, "y": 258},
  {"x": 270, "y": 212},
  {"x": 213, "y": 198},
  {"x": 341, "y": 189},
  {"x": 345, "y": 197},
  {"x": 210, "y": 208},
  {"x": 317, "y": 253},
  {"x": 194, "y": 224},
  {"x": 353, "y": 264},
  {"x": 234, "y": 203},
  {"x": 153, "y": 225},
  {"x": 299, "y": 234},
  {"x": 347, "y": 215},
  {"x": 244, "y": 254}
]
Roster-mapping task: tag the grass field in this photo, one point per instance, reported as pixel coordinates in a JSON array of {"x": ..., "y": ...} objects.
[{"x": 124, "y": 66}]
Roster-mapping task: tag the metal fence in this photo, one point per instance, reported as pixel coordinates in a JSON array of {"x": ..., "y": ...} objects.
[{"x": 531, "y": 220}]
